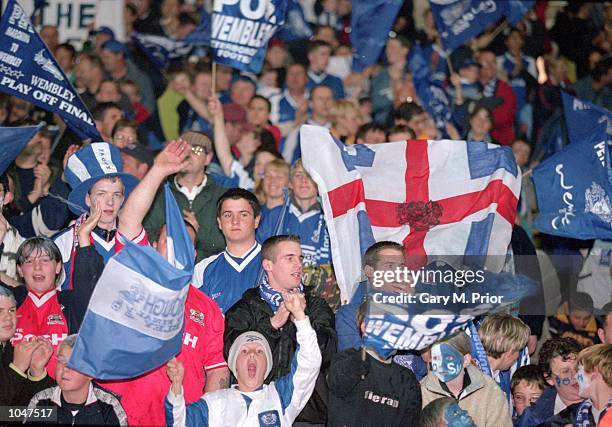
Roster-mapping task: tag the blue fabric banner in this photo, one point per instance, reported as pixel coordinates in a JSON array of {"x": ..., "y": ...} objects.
[
  {"x": 371, "y": 21},
  {"x": 29, "y": 71},
  {"x": 12, "y": 141},
  {"x": 458, "y": 21},
  {"x": 574, "y": 185},
  {"x": 432, "y": 95},
  {"x": 241, "y": 31}
]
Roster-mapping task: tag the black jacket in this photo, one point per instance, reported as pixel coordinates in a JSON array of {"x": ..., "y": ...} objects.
[
  {"x": 101, "y": 408},
  {"x": 387, "y": 395},
  {"x": 567, "y": 416},
  {"x": 15, "y": 390},
  {"x": 252, "y": 313}
]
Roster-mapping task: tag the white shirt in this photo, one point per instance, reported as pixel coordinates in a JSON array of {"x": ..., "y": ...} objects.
[{"x": 191, "y": 195}]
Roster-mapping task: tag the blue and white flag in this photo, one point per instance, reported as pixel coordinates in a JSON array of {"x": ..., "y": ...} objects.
[
  {"x": 432, "y": 95},
  {"x": 241, "y": 31},
  {"x": 458, "y": 21},
  {"x": 181, "y": 252},
  {"x": 161, "y": 49},
  {"x": 371, "y": 21},
  {"x": 439, "y": 306},
  {"x": 12, "y": 142},
  {"x": 29, "y": 71},
  {"x": 295, "y": 26},
  {"x": 574, "y": 185},
  {"x": 134, "y": 322}
]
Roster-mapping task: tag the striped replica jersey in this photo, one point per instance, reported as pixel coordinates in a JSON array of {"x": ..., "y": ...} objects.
[{"x": 225, "y": 277}]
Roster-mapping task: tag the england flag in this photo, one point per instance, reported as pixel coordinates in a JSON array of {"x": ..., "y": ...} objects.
[{"x": 437, "y": 198}]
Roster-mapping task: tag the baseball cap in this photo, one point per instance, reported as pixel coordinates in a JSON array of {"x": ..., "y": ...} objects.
[
  {"x": 139, "y": 152},
  {"x": 104, "y": 30},
  {"x": 198, "y": 138},
  {"x": 113, "y": 45}
]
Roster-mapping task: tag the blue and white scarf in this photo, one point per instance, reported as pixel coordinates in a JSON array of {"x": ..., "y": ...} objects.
[
  {"x": 270, "y": 295},
  {"x": 584, "y": 410}
]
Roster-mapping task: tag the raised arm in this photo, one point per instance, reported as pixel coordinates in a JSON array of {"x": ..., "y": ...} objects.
[
  {"x": 222, "y": 145},
  {"x": 171, "y": 160}
]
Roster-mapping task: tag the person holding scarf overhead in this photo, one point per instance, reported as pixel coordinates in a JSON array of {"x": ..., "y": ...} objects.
[{"x": 262, "y": 309}]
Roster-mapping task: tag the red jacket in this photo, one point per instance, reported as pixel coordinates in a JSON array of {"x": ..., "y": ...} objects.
[{"x": 504, "y": 115}]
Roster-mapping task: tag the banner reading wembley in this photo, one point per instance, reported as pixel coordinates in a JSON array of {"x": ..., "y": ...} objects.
[
  {"x": 29, "y": 71},
  {"x": 241, "y": 30},
  {"x": 458, "y": 21}
]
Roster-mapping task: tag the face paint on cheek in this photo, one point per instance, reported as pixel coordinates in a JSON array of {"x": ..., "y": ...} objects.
[
  {"x": 446, "y": 362},
  {"x": 562, "y": 381},
  {"x": 457, "y": 417},
  {"x": 584, "y": 382}
]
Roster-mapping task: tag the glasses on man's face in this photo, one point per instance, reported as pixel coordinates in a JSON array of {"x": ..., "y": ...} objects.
[
  {"x": 198, "y": 150},
  {"x": 123, "y": 138}
]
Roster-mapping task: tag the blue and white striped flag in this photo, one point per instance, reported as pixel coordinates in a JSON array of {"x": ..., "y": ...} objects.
[{"x": 134, "y": 322}]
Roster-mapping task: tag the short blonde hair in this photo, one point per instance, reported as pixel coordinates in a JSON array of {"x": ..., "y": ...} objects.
[
  {"x": 598, "y": 357},
  {"x": 501, "y": 332},
  {"x": 279, "y": 165},
  {"x": 343, "y": 107}
]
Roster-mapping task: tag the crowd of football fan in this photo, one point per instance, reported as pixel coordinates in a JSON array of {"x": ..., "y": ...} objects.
[{"x": 267, "y": 338}]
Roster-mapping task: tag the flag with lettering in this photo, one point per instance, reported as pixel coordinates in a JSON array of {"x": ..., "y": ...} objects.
[
  {"x": 443, "y": 301},
  {"x": 134, "y": 322},
  {"x": 458, "y": 21},
  {"x": 574, "y": 186},
  {"x": 12, "y": 142},
  {"x": 446, "y": 198},
  {"x": 241, "y": 31},
  {"x": 29, "y": 71},
  {"x": 371, "y": 21}
]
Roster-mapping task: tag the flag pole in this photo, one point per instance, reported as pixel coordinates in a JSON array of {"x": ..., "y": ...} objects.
[{"x": 214, "y": 77}]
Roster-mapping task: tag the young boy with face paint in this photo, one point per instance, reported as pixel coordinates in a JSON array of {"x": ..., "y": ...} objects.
[
  {"x": 445, "y": 412},
  {"x": 251, "y": 402},
  {"x": 452, "y": 375},
  {"x": 595, "y": 381}
]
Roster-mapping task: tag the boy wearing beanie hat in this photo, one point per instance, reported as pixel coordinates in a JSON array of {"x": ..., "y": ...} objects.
[{"x": 251, "y": 402}]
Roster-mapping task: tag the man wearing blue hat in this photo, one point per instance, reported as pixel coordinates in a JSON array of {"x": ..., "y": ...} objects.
[
  {"x": 95, "y": 173},
  {"x": 117, "y": 65}
]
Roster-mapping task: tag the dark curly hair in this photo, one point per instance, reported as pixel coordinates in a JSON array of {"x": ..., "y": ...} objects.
[{"x": 557, "y": 347}]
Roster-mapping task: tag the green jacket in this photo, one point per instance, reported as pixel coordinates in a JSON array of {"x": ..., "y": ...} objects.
[{"x": 210, "y": 240}]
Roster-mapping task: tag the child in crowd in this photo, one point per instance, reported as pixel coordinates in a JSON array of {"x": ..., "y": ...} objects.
[
  {"x": 575, "y": 319},
  {"x": 527, "y": 386}
]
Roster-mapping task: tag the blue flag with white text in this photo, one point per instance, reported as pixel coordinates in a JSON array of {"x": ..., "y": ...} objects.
[
  {"x": 458, "y": 21},
  {"x": 574, "y": 185},
  {"x": 12, "y": 142},
  {"x": 29, "y": 71},
  {"x": 134, "y": 321},
  {"x": 371, "y": 21},
  {"x": 442, "y": 302},
  {"x": 241, "y": 31}
]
